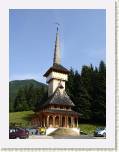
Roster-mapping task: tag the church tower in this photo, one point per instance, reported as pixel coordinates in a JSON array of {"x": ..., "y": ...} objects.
[
  {"x": 57, "y": 75},
  {"x": 56, "y": 111}
]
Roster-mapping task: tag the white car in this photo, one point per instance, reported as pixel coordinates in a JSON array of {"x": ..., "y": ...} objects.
[{"x": 100, "y": 132}]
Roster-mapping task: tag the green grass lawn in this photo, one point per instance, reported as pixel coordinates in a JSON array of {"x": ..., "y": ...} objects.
[
  {"x": 21, "y": 118},
  {"x": 88, "y": 128}
]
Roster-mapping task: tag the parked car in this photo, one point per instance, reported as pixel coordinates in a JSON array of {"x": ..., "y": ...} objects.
[
  {"x": 42, "y": 130},
  {"x": 32, "y": 131},
  {"x": 15, "y": 133},
  {"x": 100, "y": 132}
]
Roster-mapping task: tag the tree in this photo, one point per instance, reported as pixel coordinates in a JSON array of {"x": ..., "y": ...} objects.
[
  {"x": 88, "y": 92},
  {"x": 11, "y": 105},
  {"x": 70, "y": 84},
  {"x": 42, "y": 98},
  {"x": 80, "y": 96},
  {"x": 20, "y": 102},
  {"x": 86, "y": 76},
  {"x": 99, "y": 104},
  {"x": 82, "y": 103}
]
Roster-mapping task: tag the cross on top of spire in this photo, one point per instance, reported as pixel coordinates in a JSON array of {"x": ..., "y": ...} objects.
[
  {"x": 57, "y": 25},
  {"x": 57, "y": 28}
]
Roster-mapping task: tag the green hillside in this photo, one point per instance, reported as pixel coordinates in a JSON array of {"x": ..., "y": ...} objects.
[
  {"x": 17, "y": 85},
  {"x": 22, "y": 119}
]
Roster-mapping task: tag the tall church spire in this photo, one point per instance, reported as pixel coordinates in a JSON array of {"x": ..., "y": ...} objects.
[{"x": 57, "y": 57}]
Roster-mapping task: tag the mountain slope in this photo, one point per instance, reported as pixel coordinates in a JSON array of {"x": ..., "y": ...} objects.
[{"x": 16, "y": 85}]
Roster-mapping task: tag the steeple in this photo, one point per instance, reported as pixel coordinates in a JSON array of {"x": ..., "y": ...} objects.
[
  {"x": 57, "y": 57},
  {"x": 56, "y": 75}
]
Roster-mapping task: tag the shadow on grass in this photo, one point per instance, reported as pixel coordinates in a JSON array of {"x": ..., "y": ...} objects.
[{"x": 28, "y": 118}]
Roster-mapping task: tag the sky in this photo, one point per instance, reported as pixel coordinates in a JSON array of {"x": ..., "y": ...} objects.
[{"x": 32, "y": 34}]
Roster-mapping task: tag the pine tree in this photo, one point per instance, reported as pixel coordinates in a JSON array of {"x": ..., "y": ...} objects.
[
  {"x": 84, "y": 105},
  {"x": 20, "y": 102},
  {"x": 88, "y": 92},
  {"x": 70, "y": 84},
  {"x": 99, "y": 104}
]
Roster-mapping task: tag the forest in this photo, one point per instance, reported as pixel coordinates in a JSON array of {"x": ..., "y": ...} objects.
[{"x": 87, "y": 89}]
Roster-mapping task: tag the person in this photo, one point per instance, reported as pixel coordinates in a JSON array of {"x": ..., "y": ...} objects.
[{"x": 36, "y": 132}]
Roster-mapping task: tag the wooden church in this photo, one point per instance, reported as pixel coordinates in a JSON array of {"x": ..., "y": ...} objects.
[{"x": 57, "y": 110}]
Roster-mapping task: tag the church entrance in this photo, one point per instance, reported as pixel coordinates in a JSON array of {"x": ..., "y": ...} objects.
[
  {"x": 56, "y": 121},
  {"x": 69, "y": 121},
  {"x": 75, "y": 122},
  {"x": 51, "y": 121},
  {"x": 63, "y": 121}
]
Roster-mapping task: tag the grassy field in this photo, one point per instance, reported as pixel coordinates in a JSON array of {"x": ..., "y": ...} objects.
[
  {"x": 21, "y": 118},
  {"x": 88, "y": 128}
]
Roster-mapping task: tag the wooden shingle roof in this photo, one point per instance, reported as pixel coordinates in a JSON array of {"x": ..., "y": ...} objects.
[
  {"x": 56, "y": 68},
  {"x": 59, "y": 99}
]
